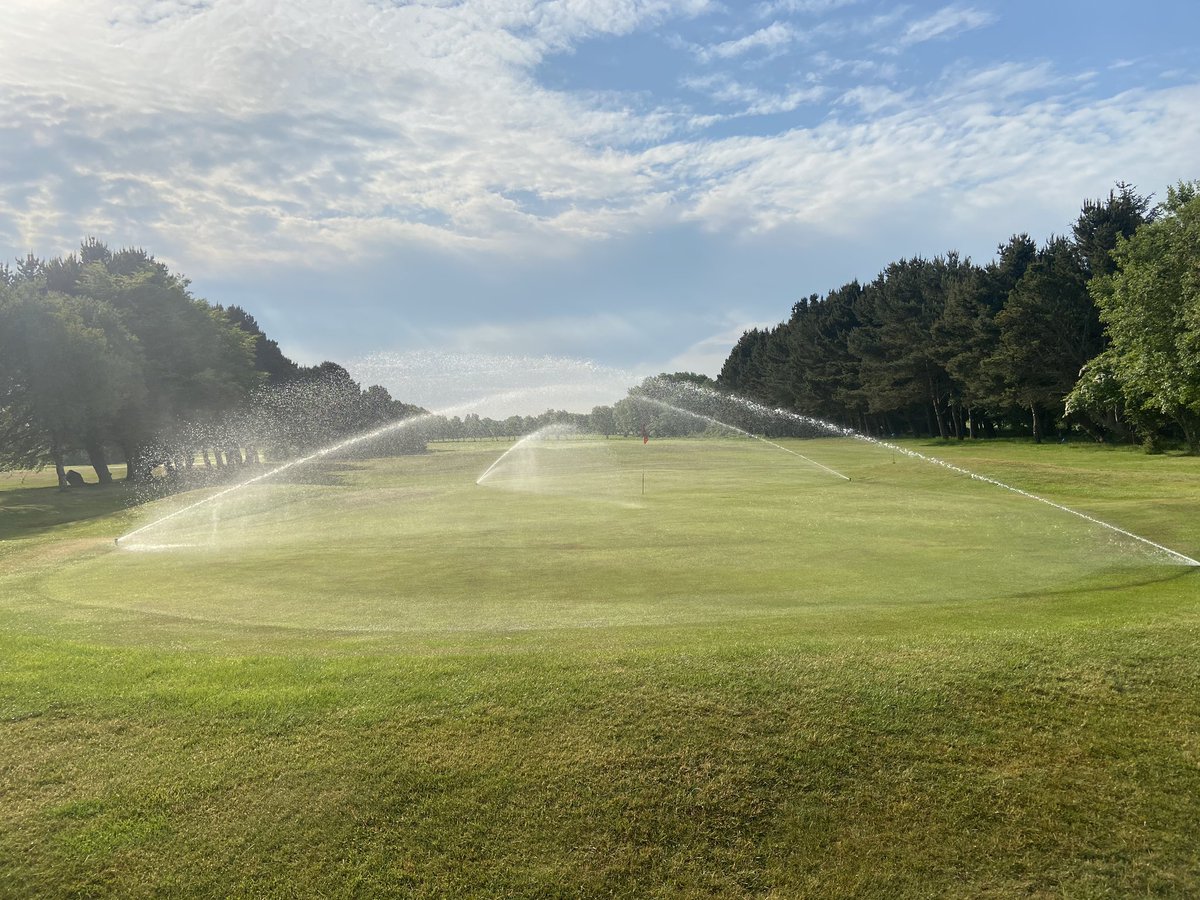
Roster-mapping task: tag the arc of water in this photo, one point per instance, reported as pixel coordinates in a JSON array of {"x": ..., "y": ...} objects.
[
  {"x": 741, "y": 431},
  {"x": 324, "y": 451},
  {"x": 933, "y": 460},
  {"x": 552, "y": 428}
]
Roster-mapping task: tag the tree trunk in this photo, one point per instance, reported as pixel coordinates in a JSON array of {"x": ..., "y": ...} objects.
[
  {"x": 971, "y": 423},
  {"x": 135, "y": 464},
  {"x": 59, "y": 469},
  {"x": 941, "y": 421},
  {"x": 1037, "y": 425},
  {"x": 1191, "y": 434},
  {"x": 98, "y": 460}
]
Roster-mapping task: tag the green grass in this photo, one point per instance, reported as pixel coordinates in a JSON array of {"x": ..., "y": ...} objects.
[{"x": 753, "y": 679}]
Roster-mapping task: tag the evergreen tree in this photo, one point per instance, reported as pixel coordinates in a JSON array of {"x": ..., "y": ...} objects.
[
  {"x": 1102, "y": 223},
  {"x": 1048, "y": 330}
]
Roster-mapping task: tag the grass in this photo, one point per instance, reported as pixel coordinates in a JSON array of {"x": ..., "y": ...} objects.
[{"x": 754, "y": 679}]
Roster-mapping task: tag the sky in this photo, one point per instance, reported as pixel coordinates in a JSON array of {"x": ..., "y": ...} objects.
[{"x": 458, "y": 198}]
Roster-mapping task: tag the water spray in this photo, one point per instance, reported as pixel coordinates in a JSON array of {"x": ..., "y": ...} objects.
[
  {"x": 552, "y": 428},
  {"x": 840, "y": 431},
  {"x": 263, "y": 476},
  {"x": 742, "y": 431}
]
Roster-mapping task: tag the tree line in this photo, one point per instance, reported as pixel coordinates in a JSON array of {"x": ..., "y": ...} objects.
[
  {"x": 107, "y": 355},
  {"x": 1097, "y": 333}
]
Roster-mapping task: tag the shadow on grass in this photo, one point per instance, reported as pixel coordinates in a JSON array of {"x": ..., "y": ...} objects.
[
  {"x": 28, "y": 511},
  {"x": 1170, "y": 572}
]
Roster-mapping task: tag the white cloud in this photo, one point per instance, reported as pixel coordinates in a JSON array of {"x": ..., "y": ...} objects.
[
  {"x": 708, "y": 355},
  {"x": 753, "y": 100},
  {"x": 946, "y": 22},
  {"x": 1004, "y": 80},
  {"x": 272, "y": 130},
  {"x": 952, "y": 152},
  {"x": 260, "y": 132},
  {"x": 776, "y": 7},
  {"x": 773, "y": 37},
  {"x": 872, "y": 99}
]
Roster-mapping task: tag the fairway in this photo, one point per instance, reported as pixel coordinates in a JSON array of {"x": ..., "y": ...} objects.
[{"x": 682, "y": 668}]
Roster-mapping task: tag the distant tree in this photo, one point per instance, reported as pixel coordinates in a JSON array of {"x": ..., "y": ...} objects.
[
  {"x": 963, "y": 336},
  {"x": 628, "y": 417},
  {"x": 742, "y": 368},
  {"x": 1102, "y": 223},
  {"x": 901, "y": 364},
  {"x": 1098, "y": 402},
  {"x": 602, "y": 420},
  {"x": 25, "y": 443},
  {"x": 954, "y": 344},
  {"x": 198, "y": 365},
  {"x": 770, "y": 364},
  {"x": 967, "y": 332},
  {"x": 688, "y": 378},
  {"x": 1049, "y": 329},
  {"x": 473, "y": 427},
  {"x": 101, "y": 348},
  {"x": 823, "y": 375}
]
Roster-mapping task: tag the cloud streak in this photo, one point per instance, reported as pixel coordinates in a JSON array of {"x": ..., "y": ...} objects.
[
  {"x": 946, "y": 22},
  {"x": 772, "y": 38}
]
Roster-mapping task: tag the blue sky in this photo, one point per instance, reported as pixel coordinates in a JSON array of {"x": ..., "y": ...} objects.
[{"x": 630, "y": 183}]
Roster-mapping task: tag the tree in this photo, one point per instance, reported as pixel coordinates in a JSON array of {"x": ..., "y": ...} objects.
[
  {"x": 742, "y": 370},
  {"x": 687, "y": 378},
  {"x": 967, "y": 332},
  {"x": 628, "y": 416},
  {"x": 1048, "y": 330},
  {"x": 1102, "y": 222},
  {"x": 268, "y": 358},
  {"x": 68, "y": 366},
  {"x": 1150, "y": 307},
  {"x": 602, "y": 420},
  {"x": 901, "y": 365},
  {"x": 824, "y": 375},
  {"x": 198, "y": 366}
]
